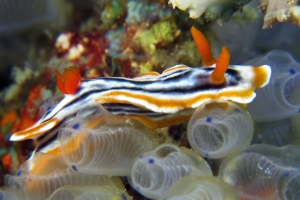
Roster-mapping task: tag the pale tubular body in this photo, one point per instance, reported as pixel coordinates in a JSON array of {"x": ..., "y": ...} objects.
[
  {"x": 49, "y": 103},
  {"x": 294, "y": 137},
  {"x": 42, "y": 164},
  {"x": 264, "y": 172},
  {"x": 155, "y": 171},
  {"x": 274, "y": 133},
  {"x": 30, "y": 186},
  {"x": 200, "y": 188},
  {"x": 280, "y": 99},
  {"x": 88, "y": 193},
  {"x": 219, "y": 128},
  {"x": 106, "y": 146}
]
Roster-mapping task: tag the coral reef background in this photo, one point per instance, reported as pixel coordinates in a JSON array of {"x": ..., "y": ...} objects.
[{"x": 121, "y": 38}]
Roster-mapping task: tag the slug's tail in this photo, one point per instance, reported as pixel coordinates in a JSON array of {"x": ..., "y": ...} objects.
[
  {"x": 68, "y": 83},
  {"x": 34, "y": 131}
]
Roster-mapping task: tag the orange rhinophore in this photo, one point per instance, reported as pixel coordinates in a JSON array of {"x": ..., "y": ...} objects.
[
  {"x": 68, "y": 83},
  {"x": 217, "y": 76},
  {"x": 203, "y": 47}
]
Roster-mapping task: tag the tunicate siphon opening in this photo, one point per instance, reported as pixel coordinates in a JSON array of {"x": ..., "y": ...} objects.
[
  {"x": 280, "y": 59},
  {"x": 49, "y": 104},
  {"x": 89, "y": 113},
  {"x": 165, "y": 150},
  {"x": 62, "y": 193},
  {"x": 16, "y": 183},
  {"x": 208, "y": 137},
  {"x": 72, "y": 146},
  {"x": 291, "y": 90},
  {"x": 146, "y": 177},
  {"x": 214, "y": 105},
  {"x": 291, "y": 187}
]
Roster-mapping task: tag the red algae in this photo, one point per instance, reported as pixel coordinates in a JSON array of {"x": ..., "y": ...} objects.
[
  {"x": 7, "y": 162},
  {"x": 85, "y": 50}
]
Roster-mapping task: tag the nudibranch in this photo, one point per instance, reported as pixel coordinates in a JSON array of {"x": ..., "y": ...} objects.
[{"x": 175, "y": 92}]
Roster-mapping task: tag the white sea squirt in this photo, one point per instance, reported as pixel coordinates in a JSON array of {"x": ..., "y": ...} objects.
[
  {"x": 276, "y": 133},
  {"x": 264, "y": 172},
  {"x": 49, "y": 103},
  {"x": 155, "y": 171},
  {"x": 89, "y": 193},
  {"x": 294, "y": 136},
  {"x": 218, "y": 128},
  {"x": 42, "y": 164},
  {"x": 200, "y": 188},
  {"x": 31, "y": 186},
  {"x": 97, "y": 142},
  {"x": 279, "y": 99}
]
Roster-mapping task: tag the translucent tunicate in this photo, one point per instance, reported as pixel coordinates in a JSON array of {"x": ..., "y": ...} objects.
[
  {"x": 264, "y": 172},
  {"x": 279, "y": 99},
  {"x": 155, "y": 171},
  {"x": 200, "y": 188},
  {"x": 274, "y": 133},
  {"x": 49, "y": 103},
  {"x": 42, "y": 164},
  {"x": 88, "y": 193},
  {"x": 90, "y": 113},
  {"x": 279, "y": 60},
  {"x": 294, "y": 137},
  {"x": 219, "y": 128},
  {"x": 6, "y": 194},
  {"x": 96, "y": 142},
  {"x": 30, "y": 186}
]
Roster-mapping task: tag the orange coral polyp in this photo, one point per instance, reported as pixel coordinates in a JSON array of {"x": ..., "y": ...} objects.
[
  {"x": 217, "y": 76},
  {"x": 203, "y": 47},
  {"x": 68, "y": 83}
]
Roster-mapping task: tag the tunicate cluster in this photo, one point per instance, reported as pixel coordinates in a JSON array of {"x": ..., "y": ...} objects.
[
  {"x": 264, "y": 172},
  {"x": 91, "y": 146},
  {"x": 277, "y": 102},
  {"x": 31, "y": 186},
  {"x": 279, "y": 99}
]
